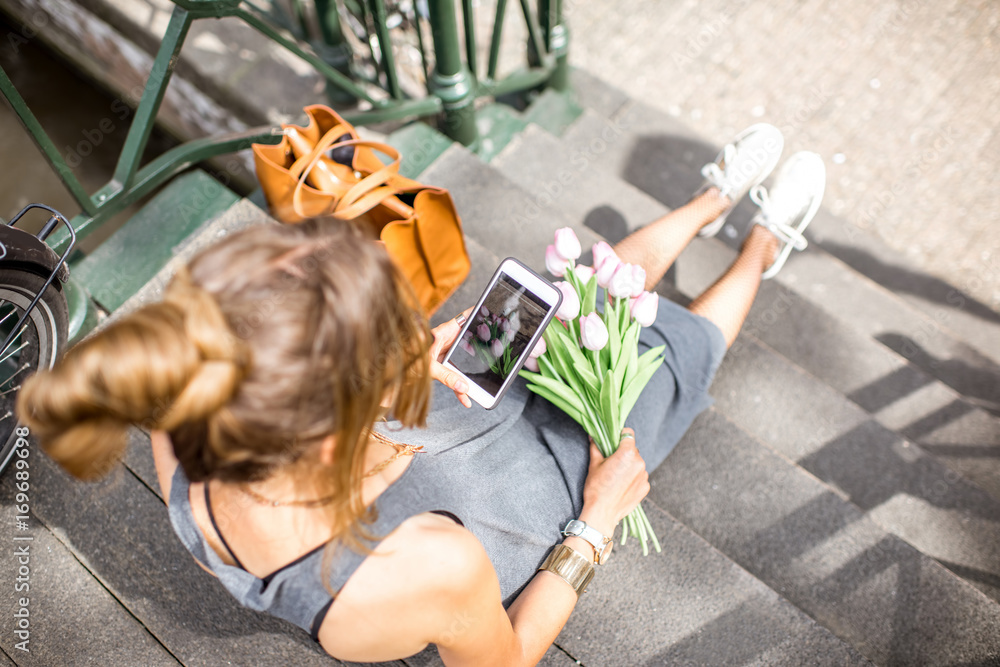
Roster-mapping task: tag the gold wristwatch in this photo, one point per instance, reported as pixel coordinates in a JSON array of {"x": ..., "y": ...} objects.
[{"x": 576, "y": 569}]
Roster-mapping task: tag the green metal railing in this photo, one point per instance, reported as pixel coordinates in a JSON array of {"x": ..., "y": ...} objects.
[{"x": 452, "y": 86}]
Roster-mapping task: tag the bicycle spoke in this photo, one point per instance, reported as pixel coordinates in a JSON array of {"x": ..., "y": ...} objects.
[
  {"x": 12, "y": 311},
  {"x": 12, "y": 389},
  {"x": 18, "y": 349},
  {"x": 15, "y": 374}
]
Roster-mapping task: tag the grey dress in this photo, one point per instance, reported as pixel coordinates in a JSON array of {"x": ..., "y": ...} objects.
[{"x": 513, "y": 475}]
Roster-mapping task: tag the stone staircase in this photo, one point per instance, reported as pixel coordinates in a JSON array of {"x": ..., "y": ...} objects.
[{"x": 839, "y": 504}]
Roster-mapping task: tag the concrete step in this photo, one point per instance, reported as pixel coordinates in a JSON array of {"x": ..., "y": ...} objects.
[
  {"x": 662, "y": 157},
  {"x": 572, "y": 183},
  {"x": 131, "y": 256},
  {"x": 901, "y": 487},
  {"x": 968, "y": 510},
  {"x": 553, "y": 111},
  {"x": 64, "y": 600},
  {"x": 495, "y": 212},
  {"x": 800, "y": 537},
  {"x": 153, "y": 577},
  {"x": 896, "y": 392},
  {"x": 691, "y": 605},
  {"x": 594, "y": 94},
  {"x": 947, "y": 305},
  {"x": 240, "y": 215}
]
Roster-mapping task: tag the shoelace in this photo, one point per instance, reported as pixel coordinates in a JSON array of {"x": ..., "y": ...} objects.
[
  {"x": 782, "y": 230},
  {"x": 716, "y": 176}
]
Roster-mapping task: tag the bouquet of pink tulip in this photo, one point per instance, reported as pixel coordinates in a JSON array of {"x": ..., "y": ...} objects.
[{"x": 587, "y": 363}]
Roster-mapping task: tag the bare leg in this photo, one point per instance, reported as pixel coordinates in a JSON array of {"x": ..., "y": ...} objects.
[
  {"x": 657, "y": 245},
  {"x": 727, "y": 302}
]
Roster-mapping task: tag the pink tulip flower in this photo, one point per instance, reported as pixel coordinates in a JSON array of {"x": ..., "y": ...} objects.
[
  {"x": 496, "y": 347},
  {"x": 483, "y": 331},
  {"x": 539, "y": 349},
  {"x": 607, "y": 269},
  {"x": 638, "y": 280},
  {"x": 554, "y": 263},
  {"x": 620, "y": 285},
  {"x": 644, "y": 308},
  {"x": 593, "y": 333},
  {"x": 566, "y": 244},
  {"x": 601, "y": 252},
  {"x": 570, "y": 307},
  {"x": 583, "y": 272},
  {"x": 531, "y": 364}
]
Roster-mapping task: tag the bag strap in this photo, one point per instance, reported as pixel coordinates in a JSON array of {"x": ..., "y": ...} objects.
[
  {"x": 349, "y": 204},
  {"x": 377, "y": 178},
  {"x": 299, "y": 166},
  {"x": 366, "y": 203}
]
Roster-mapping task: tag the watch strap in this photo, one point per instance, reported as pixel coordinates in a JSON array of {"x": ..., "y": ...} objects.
[
  {"x": 596, "y": 538},
  {"x": 576, "y": 569}
]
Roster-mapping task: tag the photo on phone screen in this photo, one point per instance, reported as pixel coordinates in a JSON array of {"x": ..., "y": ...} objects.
[{"x": 498, "y": 334}]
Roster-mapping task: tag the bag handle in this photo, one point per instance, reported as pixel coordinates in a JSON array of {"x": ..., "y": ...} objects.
[
  {"x": 298, "y": 167},
  {"x": 350, "y": 202}
]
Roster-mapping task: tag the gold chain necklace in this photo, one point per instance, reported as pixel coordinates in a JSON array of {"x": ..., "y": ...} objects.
[{"x": 401, "y": 450}]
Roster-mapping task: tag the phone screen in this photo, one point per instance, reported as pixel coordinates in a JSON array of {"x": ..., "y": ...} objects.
[{"x": 498, "y": 333}]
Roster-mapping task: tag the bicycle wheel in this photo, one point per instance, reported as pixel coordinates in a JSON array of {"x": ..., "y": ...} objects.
[{"x": 35, "y": 347}]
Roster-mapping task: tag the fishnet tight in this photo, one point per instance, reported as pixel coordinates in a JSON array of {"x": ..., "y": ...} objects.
[{"x": 727, "y": 302}]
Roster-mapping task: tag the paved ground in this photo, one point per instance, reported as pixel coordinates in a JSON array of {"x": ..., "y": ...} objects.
[{"x": 902, "y": 99}]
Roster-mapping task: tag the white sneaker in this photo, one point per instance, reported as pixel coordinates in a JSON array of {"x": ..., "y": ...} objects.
[
  {"x": 791, "y": 204},
  {"x": 742, "y": 164}
]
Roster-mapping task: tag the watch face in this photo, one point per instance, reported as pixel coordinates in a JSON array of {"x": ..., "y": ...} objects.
[{"x": 605, "y": 552}]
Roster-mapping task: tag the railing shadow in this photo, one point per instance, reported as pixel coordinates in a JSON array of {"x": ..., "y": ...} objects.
[
  {"x": 980, "y": 383},
  {"x": 907, "y": 281}
]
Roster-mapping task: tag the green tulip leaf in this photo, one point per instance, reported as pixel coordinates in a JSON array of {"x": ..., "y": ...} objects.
[
  {"x": 586, "y": 373},
  {"x": 547, "y": 369},
  {"x": 638, "y": 383},
  {"x": 558, "y": 401},
  {"x": 588, "y": 303}
]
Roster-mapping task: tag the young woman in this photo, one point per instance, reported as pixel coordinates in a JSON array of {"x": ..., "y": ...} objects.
[{"x": 264, "y": 376}]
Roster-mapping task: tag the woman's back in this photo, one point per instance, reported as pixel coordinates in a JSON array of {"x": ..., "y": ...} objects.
[{"x": 493, "y": 472}]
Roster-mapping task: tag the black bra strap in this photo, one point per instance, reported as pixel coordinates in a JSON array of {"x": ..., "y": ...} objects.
[
  {"x": 211, "y": 516},
  {"x": 442, "y": 513}
]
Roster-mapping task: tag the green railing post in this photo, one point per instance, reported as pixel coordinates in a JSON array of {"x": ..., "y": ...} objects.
[
  {"x": 557, "y": 41},
  {"x": 385, "y": 46},
  {"x": 335, "y": 49},
  {"x": 152, "y": 97},
  {"x": 451, "y": 80}
]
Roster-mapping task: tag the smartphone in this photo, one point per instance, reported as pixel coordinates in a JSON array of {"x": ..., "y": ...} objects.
[{"x": 507, "y": 321}]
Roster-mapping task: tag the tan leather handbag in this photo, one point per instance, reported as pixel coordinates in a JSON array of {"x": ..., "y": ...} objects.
[{"x": 326, "y": 169}]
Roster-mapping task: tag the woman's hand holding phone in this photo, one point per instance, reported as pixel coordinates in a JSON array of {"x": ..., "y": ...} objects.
[{"x": 444, "y": 336}]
